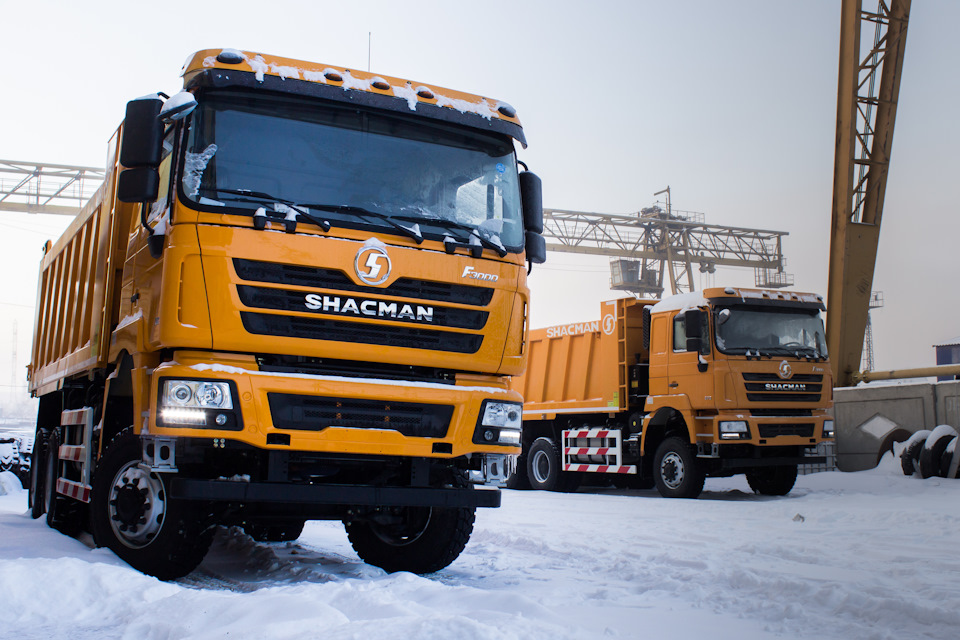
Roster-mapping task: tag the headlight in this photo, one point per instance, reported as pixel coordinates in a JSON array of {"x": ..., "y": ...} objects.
[
  {"x": 197, "y": 403},
  {"x": 196, "y": 393},
  {"x": 734, "y": 430},
  {"x": 500, "y": 423},
  {"x": 828, "y": 429}
]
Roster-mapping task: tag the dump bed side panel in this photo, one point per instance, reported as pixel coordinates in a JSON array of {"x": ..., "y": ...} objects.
[
  {"x": 571, "y": 368},
  {"x": 75, "y": 295}
]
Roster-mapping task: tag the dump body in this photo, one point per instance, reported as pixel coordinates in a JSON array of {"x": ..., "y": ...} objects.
[
  {"x": 607, "y": 397},
  {"x": 295, "y": 275}
]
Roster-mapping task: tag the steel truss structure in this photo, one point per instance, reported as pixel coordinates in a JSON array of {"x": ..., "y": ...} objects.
[
  {"x": 46, "y": 188},
  {"x": 660, "y": 246}
]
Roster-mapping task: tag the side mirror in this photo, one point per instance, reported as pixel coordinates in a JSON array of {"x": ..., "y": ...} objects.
[
  {"x": 536, "y": 248},
  {"x": 140, "y": 184},
  {"x": 140, "y": 151},
  {"x": 178, "y": 107},
  {"x": 531, "y": 200},
  {"x": 693, "y": 327},
  {"x": 142, "y": 143}
]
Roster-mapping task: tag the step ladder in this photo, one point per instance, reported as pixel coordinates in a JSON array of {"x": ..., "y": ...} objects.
[{"x": 71, "y": 421}]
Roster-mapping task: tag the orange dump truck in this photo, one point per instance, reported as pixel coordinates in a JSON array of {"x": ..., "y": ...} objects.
[
  {"x": 299, "y": 294},
  {"x": 710, "y": 383}
]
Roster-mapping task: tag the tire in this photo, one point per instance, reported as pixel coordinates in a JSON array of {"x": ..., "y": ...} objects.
[
  {"x": 772, "y": 481},
  {"x": 38, "y": 468},
  {"x": 519, "y": 479},
  {"x": 273, "y": 531},
  {"x": 933, "y": 448},
  {"x": 63, "y": 513},
  {"x": 910, "y": 456},
  {"x": 946, "y": 459},
  {"x": 415, "y": 539},
  {"x": 134, "y": 516},
  {"x": 544, "y": 468},
  {"x": 898, "y": 435},
  {"x": 676, "y": 471}
]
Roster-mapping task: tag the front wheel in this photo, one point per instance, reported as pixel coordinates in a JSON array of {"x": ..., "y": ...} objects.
[
  {"x": 772, "y": 481},
  {"x": 414, "y": 539},
  {"x": 135, "y": 517},
  {"x": 676, "y": 471},
  {"x": 545, "y": 470}
]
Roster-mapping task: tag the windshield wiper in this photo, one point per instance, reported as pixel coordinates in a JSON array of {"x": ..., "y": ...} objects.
[
  {"x": 450, "y": 243},
  {"x": 411, "y": 232},
  {"x": 260, "y": 221}
]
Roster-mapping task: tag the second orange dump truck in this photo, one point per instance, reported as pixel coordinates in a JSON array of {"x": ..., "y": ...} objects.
[{"x": 710, "y": 383}]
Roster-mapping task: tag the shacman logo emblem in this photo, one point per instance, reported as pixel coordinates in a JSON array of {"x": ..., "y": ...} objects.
[
  {"x": 372, "y": 265},
  {"x": 609, "y": 324},
  {"x": 785, "y": 371}
]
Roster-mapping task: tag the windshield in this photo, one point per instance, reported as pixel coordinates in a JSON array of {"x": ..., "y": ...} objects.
[
  {"x": 351, "y": 166},
  {"x": 770, "y": 332}
]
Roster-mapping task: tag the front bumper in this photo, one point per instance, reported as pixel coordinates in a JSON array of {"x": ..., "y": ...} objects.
[
  {"x": 270, "y": 493},
  {"x": 805, "y": 431},
  {"x": 277, "y": 411}
]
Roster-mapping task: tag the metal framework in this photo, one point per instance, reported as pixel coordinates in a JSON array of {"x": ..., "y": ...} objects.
[
  {"x": 46, "y": 188},
  {"x": 663, "y": 243},
  {"x": 868, "y": 89},
  {"x": 867, "y": 362}
]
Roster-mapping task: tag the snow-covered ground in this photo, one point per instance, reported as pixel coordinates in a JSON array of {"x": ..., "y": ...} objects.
[{"x": 868, "y": 555}]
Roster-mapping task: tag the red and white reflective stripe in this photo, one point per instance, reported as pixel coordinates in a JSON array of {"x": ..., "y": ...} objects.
[
  {"x": 589, "y": 451},
  {"x": 589, "y": 433},
  {"x": 74, "y": 416},
  {"x": 73, "y": 490},
  {"x": 600, "y": 468},
  {"x": 72, "y": 452}
]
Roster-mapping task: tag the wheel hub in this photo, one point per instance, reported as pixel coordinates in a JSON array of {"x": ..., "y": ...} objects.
[
  {"x": 402, "y": 526},
  {"x": 671, "y": 470},
  {"x": 137, "y": 505}
]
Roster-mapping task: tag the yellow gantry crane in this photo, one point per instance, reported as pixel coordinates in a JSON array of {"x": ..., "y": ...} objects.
[{"x": 868, "y": 89}]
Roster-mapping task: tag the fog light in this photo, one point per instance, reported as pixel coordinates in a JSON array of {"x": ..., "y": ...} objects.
[
  {"x": 221, "y": 419},
  {"x": 488, "y": 435}
]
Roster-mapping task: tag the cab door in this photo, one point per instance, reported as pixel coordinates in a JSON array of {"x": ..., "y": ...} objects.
[{"x": 690, "y": 361}]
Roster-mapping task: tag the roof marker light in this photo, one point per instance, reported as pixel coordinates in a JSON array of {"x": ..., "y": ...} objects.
[
  {"x": 380, "y": 83},
  {"x": 425, "y": 93},
  {"x": 230, "y": 56},
  {"x": 332, "y": 75},
  {"x": 507, "y": 110}
]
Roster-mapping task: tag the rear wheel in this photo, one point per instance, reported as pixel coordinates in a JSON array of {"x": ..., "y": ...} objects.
[
  {"x": 38, "y": 460},
  {"x": 63, "y": 513},
  {"x": 676, "y": 471},
  {"x": 414, "y": 539},
  {"x": 135, "y": 517},
  {"x": 772, "y": 481}
]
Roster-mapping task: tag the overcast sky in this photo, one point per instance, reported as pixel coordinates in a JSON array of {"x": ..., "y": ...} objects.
[{"x": 732, "y": 104}]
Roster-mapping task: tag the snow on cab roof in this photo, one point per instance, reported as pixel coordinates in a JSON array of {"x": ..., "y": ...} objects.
[
  {"x": 414, "y": 93},
  {"x": 694, "y": 299}
]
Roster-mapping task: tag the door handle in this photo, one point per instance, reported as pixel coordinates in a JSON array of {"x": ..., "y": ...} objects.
[{"x": 673, "y": 384}]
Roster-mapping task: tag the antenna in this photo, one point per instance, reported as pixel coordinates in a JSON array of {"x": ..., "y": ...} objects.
[{"x": 369, "y": 41}]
